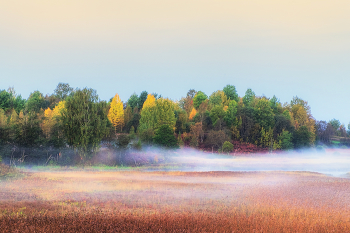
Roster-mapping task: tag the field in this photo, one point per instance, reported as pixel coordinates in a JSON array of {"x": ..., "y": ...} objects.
[{"x": 139, "y": 201}]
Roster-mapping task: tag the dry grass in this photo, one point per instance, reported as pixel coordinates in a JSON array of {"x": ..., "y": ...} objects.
[{"x": 175, "y": 202}]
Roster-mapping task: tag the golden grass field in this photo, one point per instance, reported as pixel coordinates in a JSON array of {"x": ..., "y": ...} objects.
[{"x": 138, "y": 201}]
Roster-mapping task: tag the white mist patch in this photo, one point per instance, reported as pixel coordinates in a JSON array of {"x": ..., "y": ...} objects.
[{"x": 334, "y": 162}]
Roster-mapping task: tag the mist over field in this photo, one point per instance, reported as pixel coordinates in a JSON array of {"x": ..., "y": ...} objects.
[{"x": 334, "y": 162}]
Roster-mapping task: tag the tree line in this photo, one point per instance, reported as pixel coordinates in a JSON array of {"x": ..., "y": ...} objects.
[{"x": 78, "y": 121}]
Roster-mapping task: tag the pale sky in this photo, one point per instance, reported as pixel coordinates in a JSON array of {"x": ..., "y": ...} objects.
[{"x": 283, "y": 48}]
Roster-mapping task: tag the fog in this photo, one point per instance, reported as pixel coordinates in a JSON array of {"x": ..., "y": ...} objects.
[{"x": 335, "y": 162}]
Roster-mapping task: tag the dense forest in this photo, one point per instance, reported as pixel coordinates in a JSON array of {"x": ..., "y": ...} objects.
[{"x": 73, "y": 126}]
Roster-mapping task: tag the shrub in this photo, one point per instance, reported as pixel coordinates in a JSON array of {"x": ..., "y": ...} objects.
[
  {"x": 227, "y": 147},
  {"x": 164, "y": 136}
]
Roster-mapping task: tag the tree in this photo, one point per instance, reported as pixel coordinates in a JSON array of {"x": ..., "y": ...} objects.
[
  {"x": 164, "y": 136},
  {"x": 191, "y": 93},
  {"x": 142, "y": 98},
  {"x": 133, "y": 101},
  {"x": 231, "y": 93},
  {"x": 302, "y": 137},
  {"x": 218, "y": 98},
  {"x": 263, "y": 114},
  {"x": 5, "y": 100},
  {"x": 231, "y": 113},
  {"x": 84, "y": 121},
  {"x": 197, "y": 133},
  {"x": 199, "y": 98},
  {"x": 227, "y": 147},
  {"x": 217, "y": 115},
  {"x": 216, "y": 139},
  {"x": 116, "y": 113},
  {"x": 63, "y": 90},
  {"x": 286, "y": 139},
  {"x": 36, "y": 102},
  {"x": 335, "y": 123},
  {"x": 164, "y": 113},
  {"x": 192, "y": 114},
  {"x": 147, "y": 120},
  {"x": 249, "y": 97}
]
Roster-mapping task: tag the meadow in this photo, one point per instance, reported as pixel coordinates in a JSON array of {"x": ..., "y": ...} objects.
[{"x": 174, "y": 201}]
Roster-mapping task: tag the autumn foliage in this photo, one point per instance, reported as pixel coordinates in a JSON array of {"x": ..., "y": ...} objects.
[{"x": 116, "y": 113}]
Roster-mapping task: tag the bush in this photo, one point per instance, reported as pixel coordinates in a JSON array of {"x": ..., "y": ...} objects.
[
  {"x": 227, "y": 147},
  {"x": 165, "y": 137}
]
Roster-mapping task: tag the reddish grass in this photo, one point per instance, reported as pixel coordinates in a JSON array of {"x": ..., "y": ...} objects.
[{"x": 175, "y": 202}]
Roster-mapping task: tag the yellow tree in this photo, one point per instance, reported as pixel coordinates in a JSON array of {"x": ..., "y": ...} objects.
[
  {"x": 192, "y": 114},
  {"x": 47, "y": 123},
  {"x": 116, "y": 113},
  {"x": 51, "y": 118}
]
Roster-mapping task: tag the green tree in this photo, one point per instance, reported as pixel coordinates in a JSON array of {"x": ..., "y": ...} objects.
[
  {"x": 231, "y": 113},
  {"x": 84, "y": 121},
  {"x": 5, "y": 100},
  {"x": 199, "y": 98},
  {"x": 249, "y": 97},
  {"x": 286, "y": 139},
  {"x": 302, "y": 137},
  {"x": 142, "y": 99},
  {"x": 217, "y": 115},
  {"x": 36, "y": 102},
  {"x": 231, "y": 93},
  {"x": 133, "y": 101},
  {"x": 335, "y": 123},
  {"x": 217, "y": 98},
  {"x": 63, "y": 90},
  {"x": 164, "y": 136},
  {"x": 263, "y": 114},
  {"x": 164, "y": 113},
  {"x": 227, "y": 147}
]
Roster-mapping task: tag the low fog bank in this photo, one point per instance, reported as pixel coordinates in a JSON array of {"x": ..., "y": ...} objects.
[{"x": 334, "y": 162}]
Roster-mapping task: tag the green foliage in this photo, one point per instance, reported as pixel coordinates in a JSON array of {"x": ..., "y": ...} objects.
[
  {"x": 217, "y": 98},
  {"x": 231, "y": 114},
  {"x": 164, "y": 113},
  {"x": 275, "y": 105},
  {"x": 164, "y": 136},
  {"x": 5, "y": 100},
  {"x": 142, "y": 99},
  {"x": 286, "y": 140},
  {"x": 36, "y": 102},
  {"x": 249, "y": 97},
  {"x": 216, "y": 113},
  {"x": 132, "y": 132},
  {"x": 134, "y": 100},
  {"x": 123, "y": 141},
  {"x": 266, "y": 138},
  {"x": 199, "y": 98},
  {"x": 231, "y": 93},
  {"x": 63, "y": 90},
  {"x": 84, "y": 121},
  {"x": 301, "y": 137},
  {"x": 335, "y": 123},
  {"x": 227, "y": 147},
  {"x": 146, "y": 134},
  {"x": 263, "y": 114}
]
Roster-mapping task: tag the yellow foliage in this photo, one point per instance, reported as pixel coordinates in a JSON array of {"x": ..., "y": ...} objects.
[
  {"x": 116, "y": 113},
  {"x": 225, "y": 108},
  {"x": 3, "y": 118},
  {"x": 56, "y": 112},
  {"x": 192, "y": 114},
  {"x": 150, "y": 102}
]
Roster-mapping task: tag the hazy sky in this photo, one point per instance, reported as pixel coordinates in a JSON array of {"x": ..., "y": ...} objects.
[{"x": 285, "y": 48}]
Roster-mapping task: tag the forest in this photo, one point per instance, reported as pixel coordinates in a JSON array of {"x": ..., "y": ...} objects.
[{"x": 73, "y": 126}]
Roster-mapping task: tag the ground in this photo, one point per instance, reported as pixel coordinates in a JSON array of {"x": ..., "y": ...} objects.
[{"x": 140, "y": 201}]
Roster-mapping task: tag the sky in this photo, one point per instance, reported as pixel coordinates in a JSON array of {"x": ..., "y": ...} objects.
[{"x": 284, "y": 48}]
